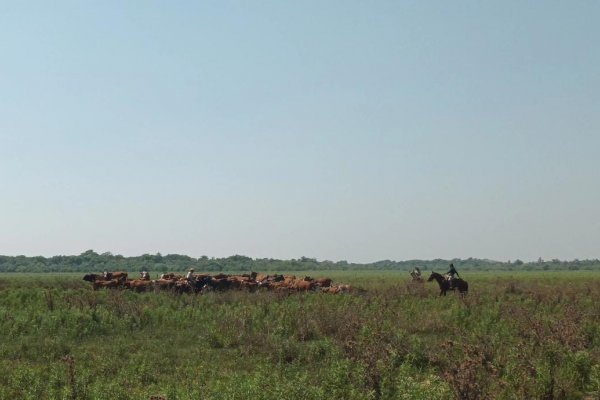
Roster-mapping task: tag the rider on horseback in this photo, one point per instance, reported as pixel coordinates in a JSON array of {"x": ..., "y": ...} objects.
[
  {"x": 190, "y": 276},
  {"x": 450, "y": 275},
  {"x": 416, "y": 274}
]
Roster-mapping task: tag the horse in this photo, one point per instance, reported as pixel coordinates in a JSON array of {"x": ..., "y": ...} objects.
[{"x": 457, "y": 283}]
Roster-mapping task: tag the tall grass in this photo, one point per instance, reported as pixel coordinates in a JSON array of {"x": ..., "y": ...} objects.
[{"x": 514, "y": 336}]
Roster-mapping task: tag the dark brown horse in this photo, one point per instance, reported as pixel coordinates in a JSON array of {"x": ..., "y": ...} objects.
[{"x": 457, "y": 283}]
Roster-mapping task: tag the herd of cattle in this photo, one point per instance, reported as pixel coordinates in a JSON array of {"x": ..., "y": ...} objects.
[{"x": 200, "y": 283}]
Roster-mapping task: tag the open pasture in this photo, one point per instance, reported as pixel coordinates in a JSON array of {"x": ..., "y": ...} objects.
[{"x": 516, "y": 335}]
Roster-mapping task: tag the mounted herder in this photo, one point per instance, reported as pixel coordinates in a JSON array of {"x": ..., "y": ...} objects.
[
  {"x": 416, "y": 275},
  {"x": 448, "y": 282},
  {"x": 450, "y": 275}
]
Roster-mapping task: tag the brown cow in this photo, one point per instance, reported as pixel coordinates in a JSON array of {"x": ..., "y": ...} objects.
[
  {"x": 112, "y": 284},
  {"x": 251, "y": 276},
  {"x": 219, "y": 283},
  {"x": 171, "y": 276},
  {"x": 335, "y": 289},
  {"x": 249, "y": 285},
  {"x": 93, "y": 277},
  {"x": 164, "y": 283},
  {"x": 276, "y": 285},
  {"x": 138, "y": 285},
  {"x": 282, "y": 290},
  {"x": 302, "y": 285},
  {"x": 183, "y": 286},
  {"x": 323, "y": 282},
  {"x": 345, "y": 288},
  {"x": 244, "y": 278},
  {"x": 269, "y": 278},
  {"x": 119, "y": 275},
  {"x": 233, "y": 282}
]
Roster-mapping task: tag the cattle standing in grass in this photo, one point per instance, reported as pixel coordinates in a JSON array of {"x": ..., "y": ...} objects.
[
  {"x": 345, "y": 288},
  {"x": 219, "y": 284},
  {"x": 100, "y": 284},
  {"x": 93, "y": 277},
  {"x": 274, "y": 285},
  {"x": 171, "y": 276},
  {"x": 183, "y": 286},
  {"x": 302, "y": 285},
  {"x": 323, "y": 282},
  {"x": 118, "y": 275},
  {"x": 138, "y": 285},
  {"x": 164, "y": 284},
  {"x": 249, "y": 285},
  {"x": 199, "y": 283},
  {"x": 335, "y": 289}
]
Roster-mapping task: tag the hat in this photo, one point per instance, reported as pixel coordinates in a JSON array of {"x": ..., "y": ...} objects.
[{"x": 192, "y": 269}]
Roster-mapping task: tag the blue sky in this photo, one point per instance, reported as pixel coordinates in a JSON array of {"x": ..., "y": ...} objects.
[{"x": 338, "y": 130}]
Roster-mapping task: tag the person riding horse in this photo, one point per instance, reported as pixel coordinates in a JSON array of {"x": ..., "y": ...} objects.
[
  {"x": 450, "y": 275},
  {"x": 416, "y": 274},
  {"x": 190, "y": 276},
  {"x": 458, "y": 284}
]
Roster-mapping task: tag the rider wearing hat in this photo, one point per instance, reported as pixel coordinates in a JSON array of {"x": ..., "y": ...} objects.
[
  {"x": 190, "y": 275},
  {"x": 450, "y": 274},
  {"x": 416, "y": 274}
]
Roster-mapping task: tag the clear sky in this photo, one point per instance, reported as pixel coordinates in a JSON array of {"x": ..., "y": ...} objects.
[{"x": 331, "y": 129}]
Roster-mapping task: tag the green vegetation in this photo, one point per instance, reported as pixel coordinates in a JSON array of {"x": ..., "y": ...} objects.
[
  {"x": 92, "y": 261},
  {"x": 536, "y": 336}
]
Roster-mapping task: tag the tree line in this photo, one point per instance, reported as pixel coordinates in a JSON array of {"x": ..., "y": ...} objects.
[{"x": 92, "y": 261}]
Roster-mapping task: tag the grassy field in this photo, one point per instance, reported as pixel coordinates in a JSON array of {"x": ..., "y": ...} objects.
[{"x": 516, "y": 335}]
